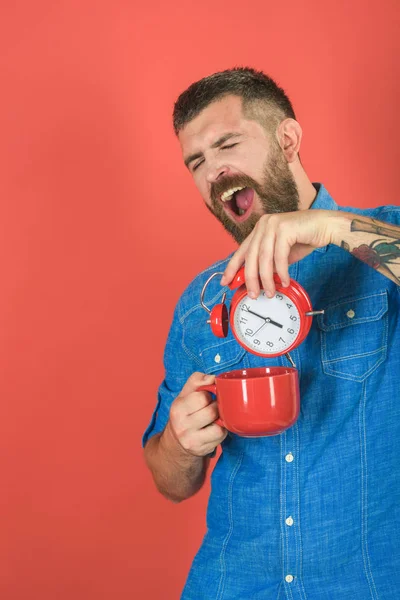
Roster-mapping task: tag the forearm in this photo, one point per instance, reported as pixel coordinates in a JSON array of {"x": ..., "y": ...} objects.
[
  {"x": 374, "y": 242},
  {"x": 177, "y": 474}
]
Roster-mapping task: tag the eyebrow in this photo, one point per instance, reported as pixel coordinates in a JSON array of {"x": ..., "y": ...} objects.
[{"x": 220, "y": 141}]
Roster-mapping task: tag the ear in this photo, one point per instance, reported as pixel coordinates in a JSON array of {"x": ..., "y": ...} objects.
[{"x": 289, "y": 134}]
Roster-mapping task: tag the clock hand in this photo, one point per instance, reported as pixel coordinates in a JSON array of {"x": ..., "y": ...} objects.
[
  {"x": 263, "y": 325},
  {"x": 256, "y": 314},
  {"x": 266, "y": 319},
  {"x": 274, "y": 323},
  {"x": 260, "y": 317}
]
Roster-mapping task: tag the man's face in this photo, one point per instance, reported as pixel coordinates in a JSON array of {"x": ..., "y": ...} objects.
[{"x": 226, "y": 152}]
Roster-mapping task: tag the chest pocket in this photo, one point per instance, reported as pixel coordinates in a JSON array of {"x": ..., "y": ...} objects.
[
  {"x": 222, "y": 356},
  {"x": 354, "y": 336}
]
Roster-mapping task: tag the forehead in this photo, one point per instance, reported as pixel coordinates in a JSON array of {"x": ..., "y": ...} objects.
[{"x": 214, "y": 121}]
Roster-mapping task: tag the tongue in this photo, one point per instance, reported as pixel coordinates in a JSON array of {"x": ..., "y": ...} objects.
[{"x": 244, "y": 198}]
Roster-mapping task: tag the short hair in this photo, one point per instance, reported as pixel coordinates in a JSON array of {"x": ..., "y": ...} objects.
[{"x": 263, "y": 100}]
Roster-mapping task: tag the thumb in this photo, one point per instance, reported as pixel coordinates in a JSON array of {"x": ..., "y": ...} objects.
[
  {"x": 195, "y": 381},
  {"x": 299, "y": 251}
]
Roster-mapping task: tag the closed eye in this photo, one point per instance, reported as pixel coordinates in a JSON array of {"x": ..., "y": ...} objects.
[
  {"x": 230, "y": 146},
  {"x": 197, "y": 165}
]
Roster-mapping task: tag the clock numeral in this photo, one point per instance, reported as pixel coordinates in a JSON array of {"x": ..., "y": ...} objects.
[
  {"x": 282, "y": 340},
  {"x": 290, "y": 330},
  {"x": 293, "y": 318},
  {"x": 289, "y": 305},
  {"x": 243, "y": 320},
  {"x": 257, "y": 342},
  {"x": 270, "y": 344},
  {"x": 245, "y": 307},
  {"x": 279, "y": 296},
  {"x": 249, "y": 332}
]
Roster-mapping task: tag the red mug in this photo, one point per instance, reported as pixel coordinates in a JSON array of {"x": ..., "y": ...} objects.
[{"x": 257, "y": 402}]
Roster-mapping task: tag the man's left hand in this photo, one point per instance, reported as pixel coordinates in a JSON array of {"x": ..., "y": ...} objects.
[{"x": 277, "y": 241}]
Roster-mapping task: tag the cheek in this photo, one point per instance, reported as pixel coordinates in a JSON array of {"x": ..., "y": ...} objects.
[
  {"x": 246, "y": 165},
  {"x": 203, "y": 188},
  {"x": 254, "y": 161}
]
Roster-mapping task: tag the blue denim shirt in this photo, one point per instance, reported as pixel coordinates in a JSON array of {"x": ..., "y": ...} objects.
[{"x": 313, "y": 513}]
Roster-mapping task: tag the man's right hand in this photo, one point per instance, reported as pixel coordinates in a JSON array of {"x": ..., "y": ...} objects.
[{"x": 192, "y": 416}]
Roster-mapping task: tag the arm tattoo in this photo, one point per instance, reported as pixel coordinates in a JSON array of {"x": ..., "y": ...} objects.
[{"x": 381, "y": 252}]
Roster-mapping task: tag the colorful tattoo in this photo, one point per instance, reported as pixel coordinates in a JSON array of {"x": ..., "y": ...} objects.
[{"x": 380, "y": 253}]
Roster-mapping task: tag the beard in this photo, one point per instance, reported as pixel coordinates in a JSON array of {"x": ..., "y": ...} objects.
[{"x": 278, "y": 193}]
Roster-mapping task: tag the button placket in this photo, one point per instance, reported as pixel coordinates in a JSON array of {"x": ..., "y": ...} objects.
[
  {"x": 291, "y": 537},
  {"x": 287, "y": 508}
]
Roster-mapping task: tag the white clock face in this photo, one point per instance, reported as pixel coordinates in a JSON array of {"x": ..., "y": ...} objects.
[{"x": 267, "y": 325}]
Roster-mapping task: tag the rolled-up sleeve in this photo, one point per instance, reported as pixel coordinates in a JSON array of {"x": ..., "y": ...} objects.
[{"x": 178, "y": 367}]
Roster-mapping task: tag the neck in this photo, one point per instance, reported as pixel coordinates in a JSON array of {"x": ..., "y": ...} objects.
[{"x": 307, "y": 191}]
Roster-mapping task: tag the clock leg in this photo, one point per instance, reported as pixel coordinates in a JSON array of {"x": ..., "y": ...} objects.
[{"x": 290, "y": 359}]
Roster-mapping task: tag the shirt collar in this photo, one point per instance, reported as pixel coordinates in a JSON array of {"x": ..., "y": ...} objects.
[{"x": 323, "y": 201}]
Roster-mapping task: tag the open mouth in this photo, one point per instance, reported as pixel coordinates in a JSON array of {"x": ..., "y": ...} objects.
[{"x": 238, "y": 202}]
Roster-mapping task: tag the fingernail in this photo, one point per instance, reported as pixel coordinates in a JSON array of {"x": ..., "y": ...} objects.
[
  {"x": 269, "y": 294},
  {"x": 223, "y": 279},
  {"x": 252, "y": 295}
]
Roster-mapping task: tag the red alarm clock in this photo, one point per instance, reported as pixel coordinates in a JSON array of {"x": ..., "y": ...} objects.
[{"x": 264, "y": 326}]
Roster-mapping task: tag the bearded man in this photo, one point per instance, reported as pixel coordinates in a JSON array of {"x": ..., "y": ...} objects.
[{"x": 310, "y": 514}]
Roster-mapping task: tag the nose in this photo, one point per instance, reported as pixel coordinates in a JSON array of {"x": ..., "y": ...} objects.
[{"x": 215, "y": 172}]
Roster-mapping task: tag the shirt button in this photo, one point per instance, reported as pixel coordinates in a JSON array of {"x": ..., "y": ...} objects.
[
  {"x": 289, "y": 521},
  {"x": 350, "y": 313},
  {"x": 289, "y": 578},
  {"x": 217, "y": 358},
  {"x": 289, "y": 457}
]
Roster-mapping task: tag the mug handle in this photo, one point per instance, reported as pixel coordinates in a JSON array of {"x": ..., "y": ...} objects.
[{"x": 213, "y": 389}]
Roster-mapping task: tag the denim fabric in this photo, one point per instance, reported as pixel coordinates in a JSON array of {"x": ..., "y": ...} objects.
[{"x": 320, "y": 502}]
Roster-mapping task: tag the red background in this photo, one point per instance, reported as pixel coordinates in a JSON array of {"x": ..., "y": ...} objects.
[{"x": 102, "y": 228}]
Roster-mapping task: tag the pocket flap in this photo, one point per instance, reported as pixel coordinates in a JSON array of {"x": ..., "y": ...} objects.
[
  {"x": 353, "y": 311},
  {"x": 221, "y": 355}
]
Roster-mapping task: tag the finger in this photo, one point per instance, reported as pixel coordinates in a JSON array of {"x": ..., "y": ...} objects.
[
  {"x": 195, "y": 402},
  {"x": 251, "y": 270},
  {"x": 196, "y": 380},
  {"x": 236, "y": 261},
  {"x": 212, "y": 434},
  {"x": 203, "y": 417},
  {"x": 299, "y": 251},
  {"x": 266, "y": 263},
  {"x": 282, "y": 251}
]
